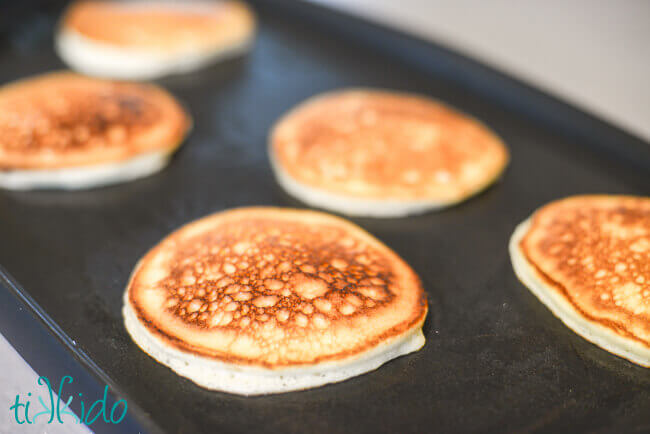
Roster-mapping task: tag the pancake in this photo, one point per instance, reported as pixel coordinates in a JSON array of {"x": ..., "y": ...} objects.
[
  {"x": 63, "y": 130},
  {"x": 382, "y": 154},
  {"x": 147, "y": 39},
  {"x": 587, "y": 258},
  {"x": 268, "y": 300}
]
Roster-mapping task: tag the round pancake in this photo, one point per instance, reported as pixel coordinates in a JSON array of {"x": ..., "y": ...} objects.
[
  {"x": 63, "y": 130},
  {"x": 147, "y": 39},
  {"x": 587, "y": 258},
  {"x": 382, "y": 154},
  {"x": 268, "y": 300}
]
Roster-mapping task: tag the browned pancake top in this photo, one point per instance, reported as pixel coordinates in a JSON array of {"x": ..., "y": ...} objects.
[
  {"x": 160, "y": 25},
  {"x": 291, "y": 287},
  {"x": 380, "y": 144},
  {"x": 595, "y": 250},
  {"x": 64, "y": 119}
]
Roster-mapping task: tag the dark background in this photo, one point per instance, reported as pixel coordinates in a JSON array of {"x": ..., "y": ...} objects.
[{"x": 18, "y": 18}]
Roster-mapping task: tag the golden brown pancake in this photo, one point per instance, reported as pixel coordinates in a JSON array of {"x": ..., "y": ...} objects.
[
  {"x": 282, "y": 299},
  {"x": 381, "y": 153},
  {"x": 64, "y": 121},
  {"x": 145, "y": 39},
  {"x": 588, "y": 259}
]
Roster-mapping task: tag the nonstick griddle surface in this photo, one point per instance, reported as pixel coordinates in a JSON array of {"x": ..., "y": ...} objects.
[{"x": 495, "y": 360}]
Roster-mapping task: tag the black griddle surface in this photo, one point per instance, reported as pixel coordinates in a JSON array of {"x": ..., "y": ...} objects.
[{"x": 495, "y": 360}]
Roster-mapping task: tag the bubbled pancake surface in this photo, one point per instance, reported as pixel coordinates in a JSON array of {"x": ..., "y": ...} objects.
[
  {"x": 374, "y": 144},
  {"x": 275, "y": 288},
  {"x": 595, "y": 252},
  {"x": 60, "y": 120},
  {"x": 162, "y": 26}
]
